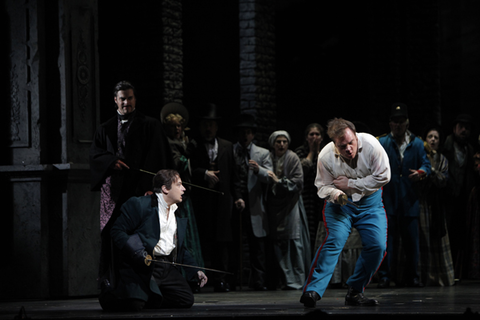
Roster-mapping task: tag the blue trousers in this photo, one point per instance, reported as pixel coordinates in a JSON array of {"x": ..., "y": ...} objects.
[{"x": 371, "y": 222}]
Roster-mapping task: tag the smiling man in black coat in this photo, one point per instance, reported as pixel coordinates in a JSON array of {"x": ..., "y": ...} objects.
[{"x": 123, "y": 144}]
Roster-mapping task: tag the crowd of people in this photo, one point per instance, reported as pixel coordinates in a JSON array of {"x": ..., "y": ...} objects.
[{"x": 313, "y": 217}]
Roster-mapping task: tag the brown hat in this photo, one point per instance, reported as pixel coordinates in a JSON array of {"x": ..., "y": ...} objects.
[{"x": 399, "y": 109}]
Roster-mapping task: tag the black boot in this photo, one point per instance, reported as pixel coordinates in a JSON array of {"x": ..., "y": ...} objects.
[
  {"x": 356, "y": 298},
  {"x": 309, "y": 299}
]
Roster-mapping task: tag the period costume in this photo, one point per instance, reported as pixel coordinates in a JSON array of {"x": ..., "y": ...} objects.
[
  {"x": 312, "y": 203},
  {"x": 436, "y": 265},
  {"x": 460, "y": 184},
  {"x": 138, "y": 230},
  {"x": 181, "y": 161},
  {"x": 288, "y": 219},
  {"x": 216, "y": 223},
  {"x": 254, "y": 216},
  {"x": 403, "y": 206},
  {"x": 140, "y": 142},
  {"x": 366, "y": 178}
]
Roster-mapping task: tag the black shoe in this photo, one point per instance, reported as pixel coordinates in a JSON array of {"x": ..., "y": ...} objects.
[
  {"x": 356, "y": 298},
  {"x": 309, "y": 299},
  {"x": 383, "y": 283},
  {"x": 221, "y": 287},
  {"x": 415, "y": 283}
]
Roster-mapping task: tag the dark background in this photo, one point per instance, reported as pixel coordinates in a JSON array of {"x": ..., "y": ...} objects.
[{"x": 332, "y": 60}]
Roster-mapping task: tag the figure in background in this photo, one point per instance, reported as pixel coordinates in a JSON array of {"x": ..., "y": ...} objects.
[
  {"x": 253, "y": 164},
  {"x": 473, "y": 221},
  {"x": 149, "y": 229},
  {"x": 436, "y": 265},
  {"x": 459, "y": 153},
  {"x": 174, "y": 117},
  {"x": 286, "y": 213},
  {"x": 353, "y": 167},
  {"x": 409, "y": 164},
  {"x": 308, "y": 154},
  {"x": 213, "y": 166},
  {"x": 125, "y": 143}
]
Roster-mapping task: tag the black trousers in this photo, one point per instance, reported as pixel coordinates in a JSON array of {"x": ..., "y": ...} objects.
[{"x": 175, "y": 290}]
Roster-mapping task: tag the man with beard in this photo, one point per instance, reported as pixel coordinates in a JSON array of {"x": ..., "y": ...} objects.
[
  {"x": 459, "y": 153},
  {"x": 409, "y": 163},
  {"x": 125, "y": 143}
]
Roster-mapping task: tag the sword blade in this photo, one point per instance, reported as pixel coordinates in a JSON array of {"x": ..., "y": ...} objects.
[
  {"x": 188, "y": 266},
  {"x": 187, "y": 183}
]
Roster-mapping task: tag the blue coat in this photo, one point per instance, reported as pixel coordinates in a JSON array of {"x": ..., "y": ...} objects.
[
  {"x": 140, "y": 217},
  {"x": 400, "y": 189}
]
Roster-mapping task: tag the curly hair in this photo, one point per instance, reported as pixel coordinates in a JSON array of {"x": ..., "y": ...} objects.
[{"x": 174, "y": 117}]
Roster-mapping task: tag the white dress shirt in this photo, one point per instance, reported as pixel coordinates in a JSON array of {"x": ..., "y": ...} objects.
[
  {"x": 372, "y": 169},
  {"x": 168, "y": 227}
]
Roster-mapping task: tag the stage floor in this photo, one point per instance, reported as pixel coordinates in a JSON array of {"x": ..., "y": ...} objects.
[{"x": 461, "y": 300}]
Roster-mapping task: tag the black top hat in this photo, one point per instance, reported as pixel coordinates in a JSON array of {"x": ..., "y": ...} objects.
[
  {"x": 208, "y": 111},
  {"x": 246, "y": 120},
  {"x": 399, "y": 109},
  {"x": 464, "y": 118},
  {"x": 175, "y": 108}
]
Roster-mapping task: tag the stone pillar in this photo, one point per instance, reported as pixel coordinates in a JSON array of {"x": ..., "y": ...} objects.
[
  {"x": 172, "y": 51},
  {"x": 257, "y": 64},
  {"x": 50, "y": 221}
]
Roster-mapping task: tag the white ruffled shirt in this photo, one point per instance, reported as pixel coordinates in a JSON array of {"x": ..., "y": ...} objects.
[
  {"x": 168, "y": 227},
  {"x": 370, "y": 174}
]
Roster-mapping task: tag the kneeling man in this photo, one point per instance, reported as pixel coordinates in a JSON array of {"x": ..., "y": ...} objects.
[{"x": 149, "y": 228}]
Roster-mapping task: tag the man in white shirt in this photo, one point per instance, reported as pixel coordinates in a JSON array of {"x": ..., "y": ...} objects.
[
  {"x": 353, "y": 166},
  {"x": 147, "y": 230}
]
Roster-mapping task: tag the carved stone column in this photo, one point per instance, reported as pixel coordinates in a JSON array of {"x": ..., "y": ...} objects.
[{"x": 50, "y": 224}]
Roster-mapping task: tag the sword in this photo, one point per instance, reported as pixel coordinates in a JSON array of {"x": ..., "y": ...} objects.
[
  {"x": 184, "y": 182},
  {"x": 343, "y": 200},
  {"x": 185, "y": 265}
]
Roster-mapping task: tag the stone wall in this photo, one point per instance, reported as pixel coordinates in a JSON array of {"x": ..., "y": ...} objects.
[
  {"x": 172, "y": 51},
  {"x": 257, "y": 65}
]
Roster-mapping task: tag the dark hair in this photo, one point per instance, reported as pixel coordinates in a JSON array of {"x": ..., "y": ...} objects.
[
  {"x": 440, "y": 135},
  {"x": 336, "y": 127},
  {"x": 315, "y": 125},
  {"x": 123, "y": 85},
  {"x": 165, "y": 178}
]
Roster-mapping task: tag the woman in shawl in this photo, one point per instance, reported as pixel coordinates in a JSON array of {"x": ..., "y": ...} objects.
[
  {"x": 288, "y": 220},
  {"x": 436, "y": 263}
]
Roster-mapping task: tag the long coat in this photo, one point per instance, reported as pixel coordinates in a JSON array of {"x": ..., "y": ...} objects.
[
  {"x": 214, "y": 211},
  {"x": 256, "y": 190},
  {"x": 146, "y": 147},
  {"x": 285, "y": 203},
  {"x": 139, "y": 217}
]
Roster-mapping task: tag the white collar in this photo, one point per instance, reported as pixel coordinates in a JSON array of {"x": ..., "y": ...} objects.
[{"x": 163, "y": 203}]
